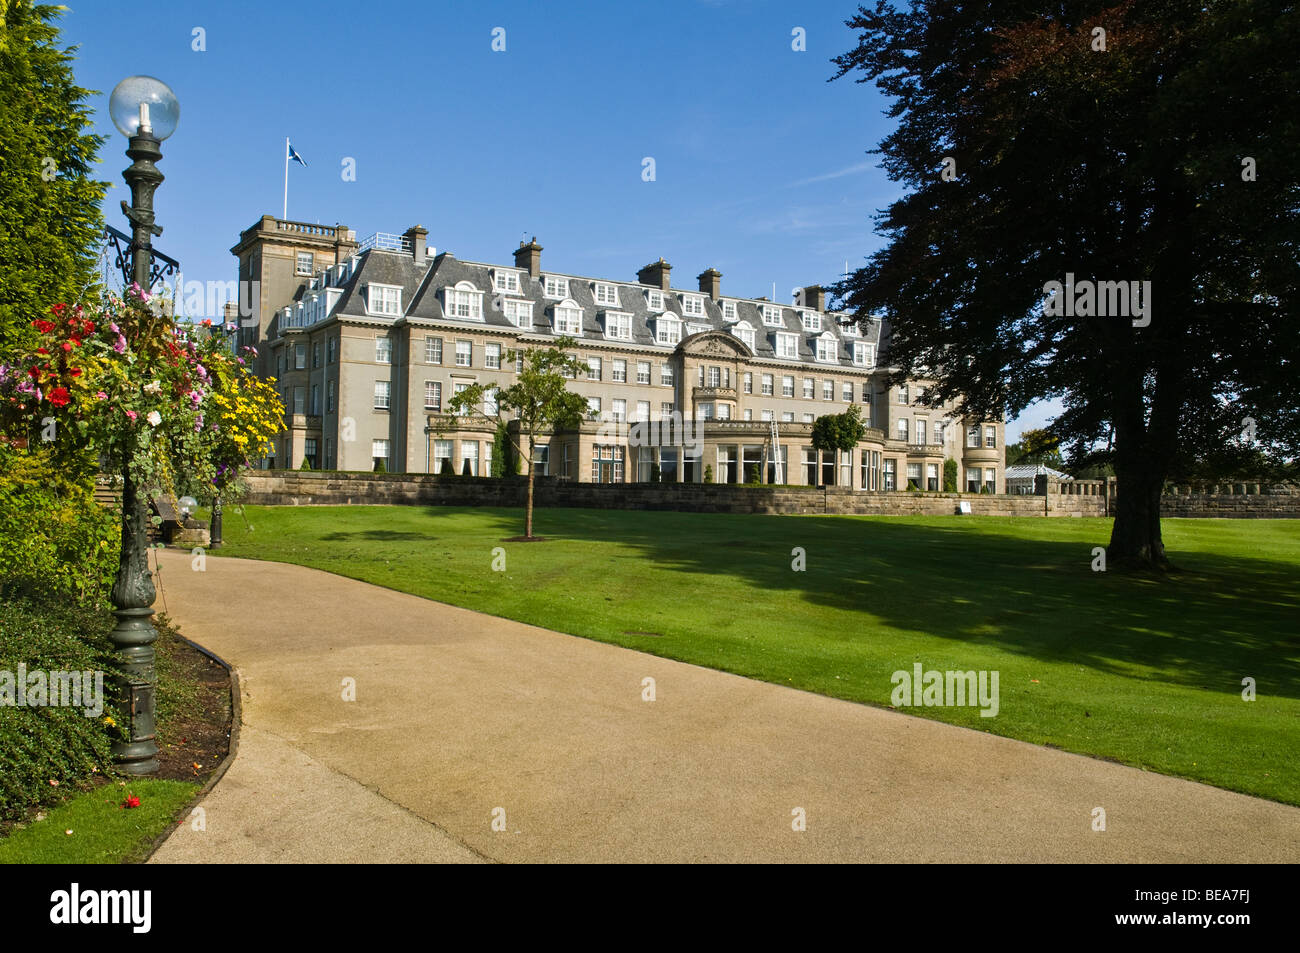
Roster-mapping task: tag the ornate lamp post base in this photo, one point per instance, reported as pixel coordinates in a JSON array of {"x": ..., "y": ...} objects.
[
  {"x": 214, "y": 526},
  {"x": 133, "y": 638}
]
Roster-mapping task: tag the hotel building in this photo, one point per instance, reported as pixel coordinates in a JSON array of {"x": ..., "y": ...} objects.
[{"x": 369, "y": 340}]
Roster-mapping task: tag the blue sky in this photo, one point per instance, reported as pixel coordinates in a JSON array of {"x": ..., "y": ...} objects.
[{"x": 761, "y": 165}]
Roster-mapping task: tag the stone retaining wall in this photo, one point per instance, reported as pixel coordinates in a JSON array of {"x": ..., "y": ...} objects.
[{"x": 306, "y": 488}]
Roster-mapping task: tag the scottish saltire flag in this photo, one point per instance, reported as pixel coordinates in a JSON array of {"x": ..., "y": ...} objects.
[{"x": 293, "y": 154}]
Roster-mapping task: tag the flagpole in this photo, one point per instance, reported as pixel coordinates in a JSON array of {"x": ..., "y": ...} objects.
[{"x": 286, "y": 178}]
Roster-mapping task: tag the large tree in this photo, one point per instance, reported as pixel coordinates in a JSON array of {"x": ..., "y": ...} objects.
[
  {"x": 50, "y": 223},
  {"x": 1140, "y": 141}
]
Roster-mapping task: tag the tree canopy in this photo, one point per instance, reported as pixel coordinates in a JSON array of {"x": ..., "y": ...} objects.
[
  {"x": 50, "y": 221},
  {"x": 539, "y": 397},
  {"x": 1092, "y": 142}
]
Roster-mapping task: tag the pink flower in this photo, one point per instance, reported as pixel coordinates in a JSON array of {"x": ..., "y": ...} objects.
[
  {"x": 132, "y": 415},
  {"x": 101, "y": 396},
  {"x": 120, "y": 345}
]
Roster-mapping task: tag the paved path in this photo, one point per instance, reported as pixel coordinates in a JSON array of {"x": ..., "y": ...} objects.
[{"x": 459, "y": 716}]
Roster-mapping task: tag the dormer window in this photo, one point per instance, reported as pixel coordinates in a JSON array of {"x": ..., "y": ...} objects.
[
  {"x": 384, "y": 299},
  {"x": 850, "y": 330},
  {"x": 519, "y": 313},
  {"x": 729, "y": 311},
  {"x": 772, "y": 316},
  {"x": 745, "y": 333},
  {"x": 864, "y": 354},
  {"x": 668, "y": 330},
  {"x": 654, "y": 300},
  {"x": 828, "y": 348},
  {"x": 556, "y": 287},
  {"x": 505, "y": 281},
  {"x": 607, "y": 294},
  {"x": 787, "y": 346},
  {"x": 464, "y": 301},
  {"x": 568, "y": 318},
  {"x": 812, "y": 321},
  {"x": 693, "y": 305},
  {"x": 618, "y": 325}
]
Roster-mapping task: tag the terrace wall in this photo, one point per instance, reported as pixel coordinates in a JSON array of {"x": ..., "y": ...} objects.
[
  {"x": 305, "y": 488},
  {"x": 1082, "y": 498}
]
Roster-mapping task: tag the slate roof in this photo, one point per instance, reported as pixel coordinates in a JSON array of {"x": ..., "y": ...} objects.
[{"x": 422, "y": 286}]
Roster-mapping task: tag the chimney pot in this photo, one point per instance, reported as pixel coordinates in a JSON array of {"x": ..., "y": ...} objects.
[
  {"x": 711, "y": 283},
  {"x": 530, "y": 257},
  {"x": 418, "y": 237},
  {"x": 656, "y": 273},
  {"x": 814, "y": 297}
]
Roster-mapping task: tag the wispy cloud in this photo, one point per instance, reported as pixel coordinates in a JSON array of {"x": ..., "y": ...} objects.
[{"x": 837, "y": 174}]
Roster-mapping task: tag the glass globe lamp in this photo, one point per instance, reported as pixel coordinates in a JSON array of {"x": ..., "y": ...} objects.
[{"x": 144, "y": 106}]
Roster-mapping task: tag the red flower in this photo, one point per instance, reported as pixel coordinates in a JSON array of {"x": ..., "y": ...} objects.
[
  {"x": 45, "y": 327},
  {"x": 74, "y": 372},
  {"x": 87, "y": 326},
  {"x": 58, "y": 309},
  {"x": 41, "y": 350},
  {"x": 34, "y": 371},
  {"x": 131, "y": 801},
  {"x": 67, "y": 345},
  {"x": 59, "y": 396}
]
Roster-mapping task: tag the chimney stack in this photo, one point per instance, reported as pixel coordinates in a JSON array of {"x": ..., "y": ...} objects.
[
  {"x": 418, "y": 236},
  {"x": 655, "y": 273},
  {"x": 711, "y": 283},
  {"x": 814, "y": 296},
  {"x": 529, "y": 256}
]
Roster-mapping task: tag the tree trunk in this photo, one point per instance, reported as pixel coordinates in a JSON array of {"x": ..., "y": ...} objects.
[
  {"x": 528, "y": 507},
  {"x": 1135, "y": 540}
]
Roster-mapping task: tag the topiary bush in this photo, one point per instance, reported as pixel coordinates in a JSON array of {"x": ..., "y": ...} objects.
[
  {"x": 656, "y": 475},
  {"x": 306, "y": 464},
  {"x": 708, "y": 473},
  {"x": 381, "y": 466},
  {"x": 43, "y": 631},
  {"x": 950, "y": 475},
  {"x": 751, "y": 473}
]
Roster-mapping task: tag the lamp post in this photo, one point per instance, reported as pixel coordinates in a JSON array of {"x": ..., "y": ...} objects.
[{"x": 144, "y": 110}]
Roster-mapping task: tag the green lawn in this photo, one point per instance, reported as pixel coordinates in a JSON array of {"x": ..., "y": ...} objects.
[
  {"x": 1143, "y": 670},
  {"x": 102, "y": 831}
]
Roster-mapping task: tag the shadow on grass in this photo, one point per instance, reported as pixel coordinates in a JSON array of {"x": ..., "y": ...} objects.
[
  {"x": 1220, "y": 618},
  {"x": 380, "y": 535}
]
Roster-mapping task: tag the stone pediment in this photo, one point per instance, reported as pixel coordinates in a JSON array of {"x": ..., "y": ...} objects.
[{"x": 714, "y": 344}]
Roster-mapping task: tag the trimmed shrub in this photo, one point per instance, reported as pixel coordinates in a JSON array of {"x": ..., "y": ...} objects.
[
  {"x": 306, "y": 464},
  {"x": 708, "y": 473},
  {"x": 51, "y": 528},
  {"x": 466, "y": 470},
  {"x": 912, "y": 487},
  {"x": 381, "y": 466},
  {"x": 751, "y": 473},
  {"x": 950, "y": 475},
  {"x": 42, "y": 632},
  {"x": 447, "y": 469},
  {"x": 656, "y": 475}
]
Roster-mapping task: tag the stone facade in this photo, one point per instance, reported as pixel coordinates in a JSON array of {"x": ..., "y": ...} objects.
[{"x": 368, "y": 352}]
